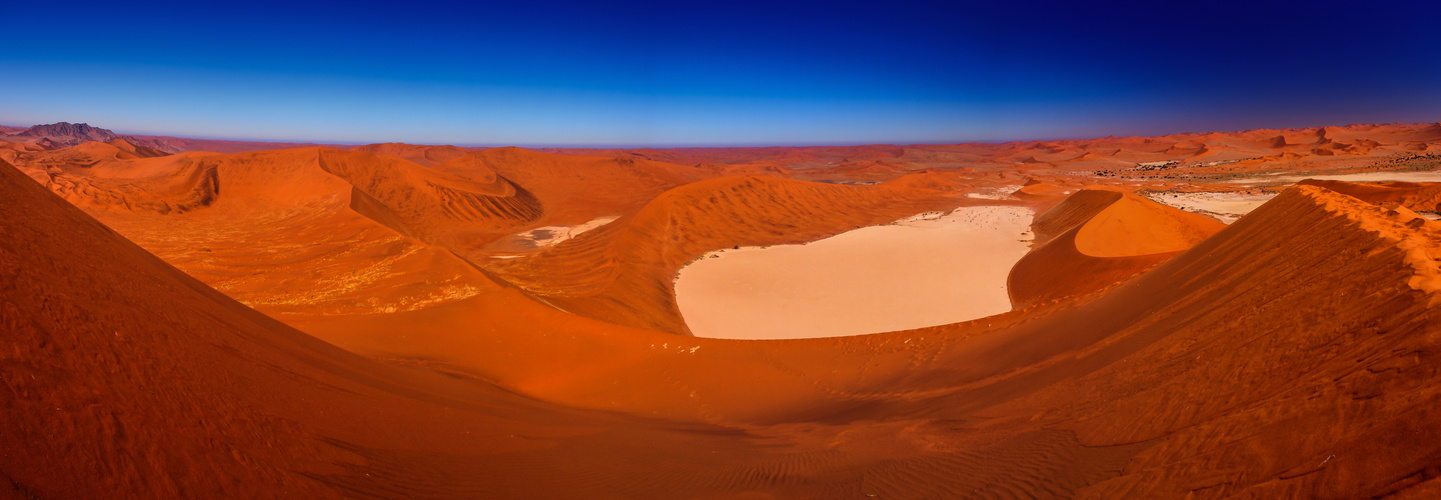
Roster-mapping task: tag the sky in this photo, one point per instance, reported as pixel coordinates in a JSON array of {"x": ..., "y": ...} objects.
[{"x": 698, "y": 73}]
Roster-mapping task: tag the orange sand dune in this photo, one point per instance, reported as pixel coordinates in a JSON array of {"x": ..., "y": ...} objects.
[
  {"x": 275, "y": 229},
  {"x": 1295, "y": 371},
  {"x": 509, "y": 327},
  {"x": 1324, "y": 147},
  {"x": 428, "y": 156},
  {"x": 575, "y": 189},
  {"x": 1038, "y": 189},
  {"x": 348, "y": 231},
  {"x": 430, "y": 204},
  {"x": 126, "y": 378},
  {"x": 622, "y": 272},
  {"x": 1424, "y": 196},
  {"x": 868, "y": 169},
  {"x": 760, "y": 168},
  {"x": 1098, "y": 237},
  {"x": 114, "y": 149},
  {"x": 189, "y": 144},
  {"x": 88, "y": 154}
]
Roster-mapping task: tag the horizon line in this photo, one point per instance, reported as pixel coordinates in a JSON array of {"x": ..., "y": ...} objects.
[{"x": 713, "y": 145}]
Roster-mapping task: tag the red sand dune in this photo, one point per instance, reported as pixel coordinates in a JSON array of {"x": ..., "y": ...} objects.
[
  {"x": 420, "y": 155},
  {"x": 1154, "y": 352},
  {"x": 170, "y": 372},
  {"x": 1099, "y": 237},
  {"x": 188, "y": 144},
  {"x": 760, "y": 168},
  {"x": 1425, "y": 196},
  {"x": 622, "y": 273},
  {"x": 1332, "y": 146},
  {"x": 272, "y": 229},
  {"x": 429, "y": 204},
  {"x": 1037, "y": 189}
]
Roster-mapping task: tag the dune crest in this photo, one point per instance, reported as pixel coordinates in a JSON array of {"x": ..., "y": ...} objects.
[
  {"x": 1412, "y": 195},
  {"x": 1098, "y": 237}
]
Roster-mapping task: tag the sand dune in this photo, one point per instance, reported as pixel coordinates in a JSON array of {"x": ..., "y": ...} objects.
[
  {"x": 1414, "y": 196},
  {"x": 428, "y": 156},
  {"x": 273, "y": 229},
  {"x": 126, "y": 377},
  {"x": 428, "y": 204},
  {"x": 1098, "y": 237},
  {"x": 1151, "y": 352},
  {"x": 1099, "y": 360},
  {"x": 622, "y": 272}
]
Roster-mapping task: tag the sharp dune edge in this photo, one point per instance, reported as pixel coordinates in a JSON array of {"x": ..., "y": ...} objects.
[
  {"x": 1098, "y": 237},
  {"x": 1152, "y": 352}
]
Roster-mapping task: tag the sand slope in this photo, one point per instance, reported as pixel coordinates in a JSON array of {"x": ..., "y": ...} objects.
[
  {"x": 623, "y": 272},
  {"x": 1098, "y": 237},
  {"x": 1058, "y": 402},
  {"x": 1288, "y": 354},
  {"x": 1412, "y": 195},
  {"x": 124, "y": 377},
  {"x": 428, "y": 156}
]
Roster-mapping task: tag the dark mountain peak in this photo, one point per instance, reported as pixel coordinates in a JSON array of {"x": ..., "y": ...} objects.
[{"x": 67, "y": 132}]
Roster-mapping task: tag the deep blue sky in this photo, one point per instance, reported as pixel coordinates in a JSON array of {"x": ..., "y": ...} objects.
[{"x": 717, "y": 73}]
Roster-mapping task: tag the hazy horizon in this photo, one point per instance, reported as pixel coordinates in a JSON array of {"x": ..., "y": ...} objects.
[{"x": 693, "y": 146}]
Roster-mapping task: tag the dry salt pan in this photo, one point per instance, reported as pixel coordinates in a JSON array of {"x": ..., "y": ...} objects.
[
  {"x": 925, "y": 270},
  {"x": 1226, "y": 207}
]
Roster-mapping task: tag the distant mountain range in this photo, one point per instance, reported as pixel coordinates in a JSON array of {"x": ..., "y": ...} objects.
[
  {"x": 65, "y": 134},
  {"x": 67, "y": 131}
]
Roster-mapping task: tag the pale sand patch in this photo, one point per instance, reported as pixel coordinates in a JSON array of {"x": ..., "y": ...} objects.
[
  {"x": 1407, "y": 176},
  {"x": 994, "y": 193},
  {"x": 552, "y": 235},
  {"x": 1224, "y": 206},
  {"x": 928, "y": 270}
]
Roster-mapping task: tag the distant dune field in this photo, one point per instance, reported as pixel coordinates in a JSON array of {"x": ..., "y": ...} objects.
[{"x": 1184, "y": 316}]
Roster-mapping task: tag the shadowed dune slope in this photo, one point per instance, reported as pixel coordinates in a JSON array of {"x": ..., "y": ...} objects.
[
  {"x": 122, "y": 377},
  {"x": 623, "y": 272},
  {"x": 431, "y": 205},
  {"x": 575, "y": 189},
  {"x": 1289, "y": 354},
  {"x": 1098, "y": 237},
  {"x": 1072, "y": 211}
]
